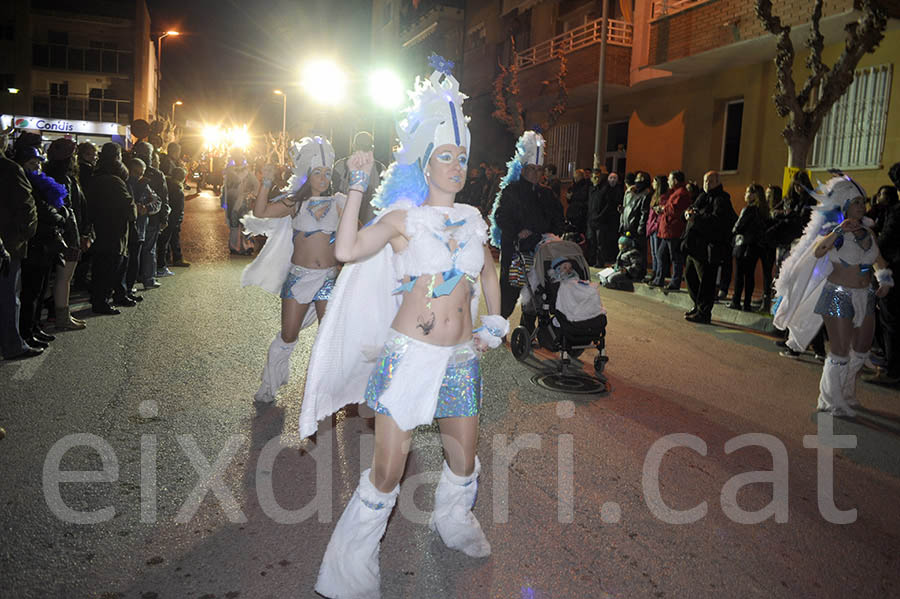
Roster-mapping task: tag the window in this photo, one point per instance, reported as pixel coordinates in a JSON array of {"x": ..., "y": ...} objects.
[
  {"x": 60, "y": 38},
  {"x": 59, "y": 89},
  {"x": 562, "y": 149},
  {"x": 731, "y": 136},
  {"x": 8, "y": 30},
  {"x": 852, "y": 134},
  {"x": 7, "y": 80}
]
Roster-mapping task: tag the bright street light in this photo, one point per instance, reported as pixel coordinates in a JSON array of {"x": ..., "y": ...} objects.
[
  {"x": 174, "y": 104},
  {"x": 386, "y": 89},
  {"x": 324, "y": 81},
  {"x": 239, "y": 137},
  {"x": 212, "y": 136},
  {"x": 159, "y": 63},
  {"x": 12, "y": 90}
]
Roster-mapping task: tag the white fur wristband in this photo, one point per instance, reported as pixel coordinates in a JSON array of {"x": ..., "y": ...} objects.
[
  {"x": 885, "y": 277},
  {"x": 493, "y": 328}
]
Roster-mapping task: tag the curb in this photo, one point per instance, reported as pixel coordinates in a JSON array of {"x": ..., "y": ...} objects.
[{"x": 757, "y": 321}]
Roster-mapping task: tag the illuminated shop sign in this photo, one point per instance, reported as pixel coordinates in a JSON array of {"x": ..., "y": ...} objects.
[{"x": 63, "y": 125}]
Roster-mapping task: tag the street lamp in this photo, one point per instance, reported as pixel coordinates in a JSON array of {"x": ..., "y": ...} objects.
[
  {"x": 386, "y": 89},
  {"x": 159, "y": 62},
  {"x": 174, "y": 104},
  {"x": 326, "y": 84},
  {"x": 283, "y": 144}
]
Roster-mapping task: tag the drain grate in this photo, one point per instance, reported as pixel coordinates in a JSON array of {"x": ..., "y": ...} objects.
[{"x": 578, "y": 384}]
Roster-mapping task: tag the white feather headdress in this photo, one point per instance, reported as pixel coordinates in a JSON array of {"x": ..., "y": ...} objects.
[
  {"x": 307, "y": 154},
  {"x": 435, "y": 117}
]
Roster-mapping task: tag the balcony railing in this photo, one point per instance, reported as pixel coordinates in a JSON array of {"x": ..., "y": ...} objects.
[
  {"x": 82, "y": 107},
  {"x": 74, "y": 58},
  {"x": 664, "y": 8},
  {"x": 618, "y": 33}
]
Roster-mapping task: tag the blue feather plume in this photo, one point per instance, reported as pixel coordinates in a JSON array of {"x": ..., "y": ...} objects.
[
  {"x": 513, "y": 172},
  {"x": 401, "y": 182}
]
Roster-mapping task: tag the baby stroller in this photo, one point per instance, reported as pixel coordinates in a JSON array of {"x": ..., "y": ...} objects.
[{"x": 543, "y": 324}]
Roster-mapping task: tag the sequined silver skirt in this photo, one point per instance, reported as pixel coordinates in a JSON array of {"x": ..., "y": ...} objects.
[
  {"x": 461, "y": 388},
  {"x": 846, "y": 302}
]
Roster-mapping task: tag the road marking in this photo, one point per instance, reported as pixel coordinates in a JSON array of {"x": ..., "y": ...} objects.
[{"x": 29, "y": 367}]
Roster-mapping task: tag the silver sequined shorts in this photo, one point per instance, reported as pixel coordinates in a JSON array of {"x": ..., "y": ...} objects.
[
  {"x": 307, "y": 285},
  {"x": 846, "y": 302},
  {"x": 460, "y": 393}
]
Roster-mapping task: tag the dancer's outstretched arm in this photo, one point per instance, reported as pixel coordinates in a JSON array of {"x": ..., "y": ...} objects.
[
  {"x": 262, "y": 207},
  {"x": 350, "y": 243}
]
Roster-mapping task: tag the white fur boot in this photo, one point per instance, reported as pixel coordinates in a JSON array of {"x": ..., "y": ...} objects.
[
  {"x": 277, "y": 370},
  {"x": 453, "y": 518},
  {"x": 857, "y": 360},
  {"x": 350, "y": 569},
  {"x": 831, "y": 386}
]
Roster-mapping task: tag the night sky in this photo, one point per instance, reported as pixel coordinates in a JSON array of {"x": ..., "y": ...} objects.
[{"x": 232, "y": 54}]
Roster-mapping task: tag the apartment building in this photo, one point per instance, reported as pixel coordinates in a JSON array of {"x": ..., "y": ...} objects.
[
  {"x": 687, "y": 83},
  {"x": 83, "y": 69}
]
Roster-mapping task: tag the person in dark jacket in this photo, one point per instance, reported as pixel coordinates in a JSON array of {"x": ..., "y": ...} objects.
[
  {"x": 18, "y": 224},
  {"x": 170, "y": 238},
  {"x": 707, "y": 244},
  {"x": 113, "y": 210},
  {"x": 671, "y": 228},
  {"x": 889, "y": 306},
  {"x": 749, "y": 236},
  {"x": 87, "y": 162},
  {"x": 62, "y": 165},
  {"x": 604, "y": 204},
  {"x": 157, "y": 180},
  {"x": 636, "y": 212},
  {"x": 577, "y": 200},
  {"x": 45, "y": 249},
  {"x": 525, "y": 211}
]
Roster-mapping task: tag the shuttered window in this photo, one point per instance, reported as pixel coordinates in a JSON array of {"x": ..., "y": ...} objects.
[{"x": 852, "y": 135}]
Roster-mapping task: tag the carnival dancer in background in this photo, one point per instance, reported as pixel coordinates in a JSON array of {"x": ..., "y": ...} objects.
[
  {"x": 828, "y": 276},
  {"x": 409, "y": 297},
  {"x": 298, "y": 260},
  {"x": 523, "y": 211},
  {"x": 238, "y": 193}
]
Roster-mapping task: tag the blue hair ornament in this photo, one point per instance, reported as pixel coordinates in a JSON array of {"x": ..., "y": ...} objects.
[{"x": 439, "y": 63}]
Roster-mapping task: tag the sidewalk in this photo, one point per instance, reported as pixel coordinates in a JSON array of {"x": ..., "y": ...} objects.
[{"x": 757, "y": 321}]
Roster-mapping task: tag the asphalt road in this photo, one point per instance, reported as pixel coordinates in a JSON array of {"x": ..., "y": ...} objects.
[{"x": 152, "y": 403}]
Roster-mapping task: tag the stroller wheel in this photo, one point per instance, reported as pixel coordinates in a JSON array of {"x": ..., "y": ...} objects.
[
  {"x": 520, "y": 343},
  {"x": 600, "y": 363}
]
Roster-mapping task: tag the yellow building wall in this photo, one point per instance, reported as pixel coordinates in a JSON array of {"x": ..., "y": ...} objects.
[{"x": 680, "y": 125}]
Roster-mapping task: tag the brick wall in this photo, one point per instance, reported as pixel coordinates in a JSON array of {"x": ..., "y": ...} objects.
[{"x": 719, "y": 23}]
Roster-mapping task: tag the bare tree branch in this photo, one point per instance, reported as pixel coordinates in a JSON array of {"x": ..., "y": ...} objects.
[
  {"x": 785, "y": 91},
  {"x": 816, "y": 44},
  {"x": 863, "y": 37}
]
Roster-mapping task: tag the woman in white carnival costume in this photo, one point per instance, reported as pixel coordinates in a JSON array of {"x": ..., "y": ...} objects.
[
  {"x": 828, "y": 277},
  {"x": 410, "y": 290},
  {"x": 298, "y": 261}
]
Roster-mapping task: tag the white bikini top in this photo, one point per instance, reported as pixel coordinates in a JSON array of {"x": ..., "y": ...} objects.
[
  {"x": 851, "y": 253},
  {"x": 319, "y": 215},
  {"x": 431, "y": 231}
]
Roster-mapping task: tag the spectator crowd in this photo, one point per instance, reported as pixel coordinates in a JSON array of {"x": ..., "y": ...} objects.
[{"x": 75, "y": 217}]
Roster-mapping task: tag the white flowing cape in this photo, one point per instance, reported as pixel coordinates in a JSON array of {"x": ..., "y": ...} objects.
[
  {"x": 270, "y": 268},
  {"x": 350, "y": 337},
  {"x": 799, "y": 286}
]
